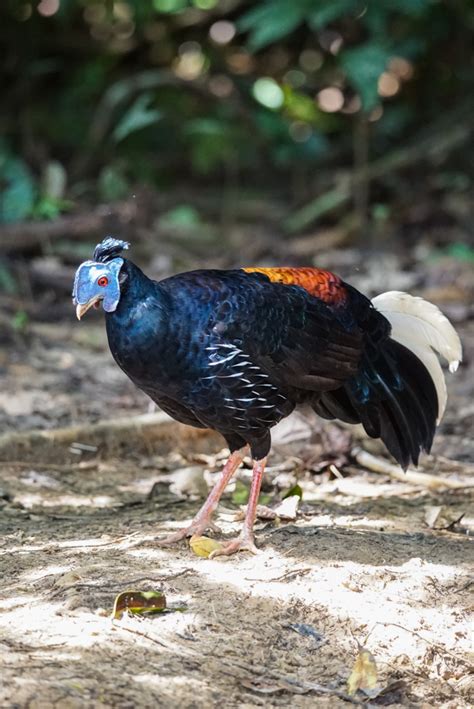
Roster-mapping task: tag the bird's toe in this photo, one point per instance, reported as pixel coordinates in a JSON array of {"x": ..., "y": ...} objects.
[
  {"x": 234, "y": 546},
  {"x": 194, "y": 529}
]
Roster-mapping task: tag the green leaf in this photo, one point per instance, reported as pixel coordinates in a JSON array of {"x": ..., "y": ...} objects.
[
  {"x": 299, "y": 107},
  {"x": 363, "y": 66},
  {"x": 47, "y": 208},
  {"x": 183, "y": 216},
  {"x": 272, "y": 21},
  {"x": 20, "y": 321},
  {"x": 17, "y": 195},
  {"x": 293, "y": 491},
  {"x": 169, "y": 6},
  {"x": 240, "y": 494},
  {"x": 212, "y": 142},
  {"x": 138, "y": 116},
  {"x": 461, "y": 252},
  {"x": 329, "y": 11}
]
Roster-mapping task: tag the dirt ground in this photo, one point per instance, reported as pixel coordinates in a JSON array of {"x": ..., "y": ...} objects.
[{"x": 368, "y": 559}]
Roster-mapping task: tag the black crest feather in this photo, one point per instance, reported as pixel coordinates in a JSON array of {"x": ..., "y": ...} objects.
[{"x": 109, "y": 248}]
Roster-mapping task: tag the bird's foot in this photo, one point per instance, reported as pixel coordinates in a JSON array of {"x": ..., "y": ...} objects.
[
  {"x": 195, "y": 528},
  {"x": 243, "y": 543}
]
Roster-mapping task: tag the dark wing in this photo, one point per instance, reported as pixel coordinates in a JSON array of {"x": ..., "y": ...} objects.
[
  {"x": 302, "y": 342},
  {"x": 318, "y": 343}
]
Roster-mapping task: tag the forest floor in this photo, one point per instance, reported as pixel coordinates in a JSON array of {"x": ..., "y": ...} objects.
[{"x": 366, "y": 560}]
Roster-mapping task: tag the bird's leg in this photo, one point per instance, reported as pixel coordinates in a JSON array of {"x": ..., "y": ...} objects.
[
  {"x": 245, "y": 542},
  {"x": 202, "y": 520}
]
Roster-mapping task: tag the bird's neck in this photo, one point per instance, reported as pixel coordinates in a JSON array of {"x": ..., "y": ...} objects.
[
  {"x": 139, "y": 321},
  {"x": 134, "y": 286},
  {"x": 138, "y": 294}
]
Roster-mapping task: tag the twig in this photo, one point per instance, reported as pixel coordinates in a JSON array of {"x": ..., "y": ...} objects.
[
  {"x": 25, "y": 235},
  {"x": 77, "y": 468},
  {"x": 160, "y": 579},
  {"x": 152, "y": 639},
  {"x": 289, "y": 575},
  {"x": 439, "y": 648},
  {"x": 171, "y": 647},
  {"x": 291, "y": 684},
  {"x": 379, "y": 465}
]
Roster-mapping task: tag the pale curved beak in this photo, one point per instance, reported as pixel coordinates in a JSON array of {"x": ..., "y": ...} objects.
[{"x": 81, "y": 309}]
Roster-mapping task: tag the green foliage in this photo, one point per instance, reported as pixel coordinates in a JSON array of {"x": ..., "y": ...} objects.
[
  {"x": 19, "y": 321},
  {"x": 184, "y": 217},
  {"x": 363, "y": 66},
  {"x": 212, "y": 143},
  {"x": 272, "y": 20},
  {"x": 109, "y": 93},
  {"x": 461, "y": 252},
  {"x": 322, "y": 13},
  {"x": 139, "y": 115}
]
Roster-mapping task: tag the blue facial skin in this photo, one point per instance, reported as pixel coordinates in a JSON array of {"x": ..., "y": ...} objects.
[{"x": 86, "y": 284}]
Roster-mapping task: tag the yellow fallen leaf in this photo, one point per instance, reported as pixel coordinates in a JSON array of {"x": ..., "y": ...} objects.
[
  {"x": 364, "y": 674},
  {"x": 204, "y": 546}
]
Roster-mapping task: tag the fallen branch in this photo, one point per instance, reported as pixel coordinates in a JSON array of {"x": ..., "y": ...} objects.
[
  {"x": 379, "y": 465},
  {"x": 153, "y": 432},
  {"x": 284, "y": 682},
  {"x": 93, "y": 223}
]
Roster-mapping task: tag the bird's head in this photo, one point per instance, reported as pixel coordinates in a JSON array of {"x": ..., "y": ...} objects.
[{"x": 99, "y": 279}]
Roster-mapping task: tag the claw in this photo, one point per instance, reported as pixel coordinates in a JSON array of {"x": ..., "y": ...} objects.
[
  {"x": 235, "y": 545},
  {"x": 182, "y": 534}
]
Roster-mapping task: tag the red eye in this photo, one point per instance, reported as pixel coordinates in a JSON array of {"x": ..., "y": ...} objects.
[{"x": 102, "y": 281}]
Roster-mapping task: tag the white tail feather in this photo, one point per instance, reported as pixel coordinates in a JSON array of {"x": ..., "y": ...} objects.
[{"x": 422, "y": 328}]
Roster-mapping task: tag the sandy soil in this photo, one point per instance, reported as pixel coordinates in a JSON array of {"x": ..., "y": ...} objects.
[{"x": 367, "y": 560}]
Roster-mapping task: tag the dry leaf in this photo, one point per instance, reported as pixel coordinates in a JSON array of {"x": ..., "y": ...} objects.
[
  {"x": 431, "y": 515},
  {"x": 204, "y": 546},
  {"x": 140, "y": 602},
  {"x": 363, "y": 675},
  {"x": 288, "y": 507},
  {"x": 262, "y": 512},
  {"x": 285, "y": 510}
]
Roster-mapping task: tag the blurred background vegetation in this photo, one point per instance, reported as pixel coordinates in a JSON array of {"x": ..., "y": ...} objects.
[{"x": 347, "y": 121}]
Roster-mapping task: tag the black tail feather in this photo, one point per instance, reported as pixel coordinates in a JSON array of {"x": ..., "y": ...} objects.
[{"x": 393, "y": 397}]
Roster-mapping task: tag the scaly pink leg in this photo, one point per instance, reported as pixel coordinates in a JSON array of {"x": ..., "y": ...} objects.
[
  {"x": 245, "y": 542},
  {"x": 202, "y": 520}
]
